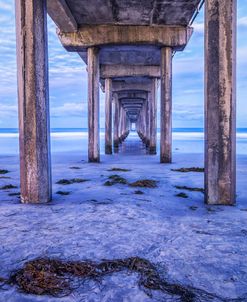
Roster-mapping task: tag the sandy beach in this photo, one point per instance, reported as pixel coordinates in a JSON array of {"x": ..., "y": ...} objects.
[{"x": 188, "y": 242}]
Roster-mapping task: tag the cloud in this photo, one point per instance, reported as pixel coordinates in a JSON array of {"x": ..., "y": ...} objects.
[
  {"x": 242, "y": 21},
  {"x": 6, "y": 6},
  {"x": 198, "y": 27},
  {"x": 188, "y": 112},
  {"x": 69, "y": 110},
  {"x": 8, "y": 111}
]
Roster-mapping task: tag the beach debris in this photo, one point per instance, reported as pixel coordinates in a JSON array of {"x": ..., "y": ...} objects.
[
  {"x": 71, "y": 181},
  {"x": 75, "y": 168},
  {"x": 190, "y": 189},
  {"x": 203, "y": 232},
  {"x": 57, "y": 278},
  {"x": 62, "y": 192},
  {"x": 244, "y": 232},
  {"x": 115, "y": 179},
  {"x": 144, "y": 183},
  {"x": 185, "y": 170},
  {"x": 138, "y": 192},
  {"x": 8, "y": 187},
  {"x": 118, "y": 170},
  {"x": 182, "y": 195},
  {"x": 3, "y": 171},
  {"x": 14, "y": 194},
  {"x": 193, "y": 208}
]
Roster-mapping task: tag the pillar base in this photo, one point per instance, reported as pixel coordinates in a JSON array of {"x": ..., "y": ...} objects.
[
  {"x": 108, "y": 149},
  {"x": 94, "y": 160},
  {"x": 165, "y": 160},
  {"x": 152, "y": 151}
]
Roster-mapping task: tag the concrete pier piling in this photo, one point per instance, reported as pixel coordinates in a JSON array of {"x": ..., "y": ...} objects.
[
  {"x": 108, "y": 116},
  {"x": 33, "y": 101},
  {"x": 153, "y": 117},
  {"x": 116, "y": 123},
  {"x": 166, "y": 105},
  {"x": 220, "y": 101},
  {"x": 93, "y": 105}
]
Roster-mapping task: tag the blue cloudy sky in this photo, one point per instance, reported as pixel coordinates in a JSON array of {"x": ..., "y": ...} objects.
[{"x": 68, "y": 77}]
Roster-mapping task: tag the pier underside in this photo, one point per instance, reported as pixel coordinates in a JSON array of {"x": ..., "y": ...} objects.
[{"x": 128, "y": 47}]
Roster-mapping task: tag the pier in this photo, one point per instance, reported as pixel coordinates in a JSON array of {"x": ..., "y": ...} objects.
[{"x": 128, "y": 47}]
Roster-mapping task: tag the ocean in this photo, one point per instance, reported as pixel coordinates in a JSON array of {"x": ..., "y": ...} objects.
[{"x": 185, "y": 140}]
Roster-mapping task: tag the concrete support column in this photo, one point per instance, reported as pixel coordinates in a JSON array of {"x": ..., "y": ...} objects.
[
  {"x": 144, "y": 109},
  {"x": 153, "y": 117},
  {"x": 116, "y": 122},
  {"x": 141, "y": 125},
  {"x": 120, "y": 128},
  {"x": 220, "y": 101},
  {"x": 93, "y": 105},
  {"x": 148, "y": 122},
  {"x": 33, "y": 101},
  {"x": 166, "y": 106},
  {"x": 108, "y": 116},
  {"x": 124, "y": 133}
]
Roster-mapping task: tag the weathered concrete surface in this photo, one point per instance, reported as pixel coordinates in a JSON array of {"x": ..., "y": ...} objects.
[
  {"x": 33, "y": 101},
  {"x": 62, "y": 16},
  {"x": 144, "y": 114},
  {"x": 134, "y": 12},
  {"x": 220, "y": 101},
  {"x": 108, "y": 116},
  {"x": 132, "y": 95},
  {"x": 176, "y": 37},
  {"x": 93, "y": 105},
  {"x": 148, "y": 119},
  {"x": 148, "y": 55},
  {"x": 122, "y": 86},
  {"x": 153, "y": 117},
  {"x": 166, "y": 106},
  {"x": 114, "y": 71},
  {"x": 116, "y": 121}
]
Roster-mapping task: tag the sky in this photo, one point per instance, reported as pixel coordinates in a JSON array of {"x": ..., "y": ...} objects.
[{"x": 68, "y": 77}]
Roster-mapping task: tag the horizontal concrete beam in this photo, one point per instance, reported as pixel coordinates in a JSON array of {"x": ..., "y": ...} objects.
[
  {"x": 132, "y": 95},
  {"x": 61, "y": 15},
  {"x": 122, "y": 86},
  {"x": 131, "y": 100},
  {"x": 114, "y": 71},
  {"x": 137, "y": 105},
  {"x": 176, "y": 37},
  {"x": 132, "y": 104}
]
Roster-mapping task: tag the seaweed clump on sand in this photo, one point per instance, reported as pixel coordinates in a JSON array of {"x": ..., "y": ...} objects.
[
  {"x": 8, "y": 187},
  {"x": 14, "y": 194},
  {"x": 138, "y": 192},
  {"x": 71, "y": 181},
  {"x": 185, "y": 170},
  {"x": 144, "y": 183},
  {"x": 182, "y": 195},
  {"x": 3, "y": 171},
  {"x": 190, "y": 189},
  {"x": 56, "y": 277},
  {"x": 115, "y": 179},
  {"x": 62, "y": 192},
  {"x": 118, "y": 170}
]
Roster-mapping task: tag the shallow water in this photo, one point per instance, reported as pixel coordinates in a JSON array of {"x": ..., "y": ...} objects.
[{"x": 69, "y": 140}]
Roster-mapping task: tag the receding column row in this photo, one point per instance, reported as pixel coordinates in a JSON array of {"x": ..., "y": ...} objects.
[{"x": 220, "y": 103}]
